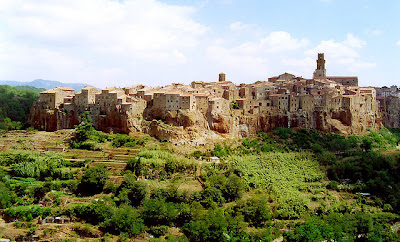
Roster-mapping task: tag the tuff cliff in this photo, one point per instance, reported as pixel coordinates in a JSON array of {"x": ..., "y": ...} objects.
[
  {"x": 192, "y": 125},
  {"x": 214, "y": 110}
]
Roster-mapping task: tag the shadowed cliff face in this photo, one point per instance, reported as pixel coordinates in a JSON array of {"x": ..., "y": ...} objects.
[{"x": 186, "y": 124}]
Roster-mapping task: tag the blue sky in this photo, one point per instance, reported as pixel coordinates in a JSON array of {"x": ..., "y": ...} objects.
[{"x": 155, "y": 42}]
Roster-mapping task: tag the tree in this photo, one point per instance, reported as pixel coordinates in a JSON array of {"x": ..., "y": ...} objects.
[
  {"x": 255, "y": 210},
  {"x": 85, "y": 128},
  {"x": 15, "y": 104},
  {"x": 94, "y": 179},
  {"x": 126, "y": 220},
  {"x": 6, "y": 196},
  {"x": 159, "y": 212},
  {"x": 132, "y": 191}
]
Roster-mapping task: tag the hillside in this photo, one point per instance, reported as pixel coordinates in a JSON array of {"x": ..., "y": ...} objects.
[
  {"x": 292, "y": 185},
  {"x": 46, "y": 84},
  {"x": 15, "y": 105}
]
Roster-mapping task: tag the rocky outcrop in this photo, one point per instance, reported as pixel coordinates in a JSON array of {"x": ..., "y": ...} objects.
[{"x": 191, "y": 125}]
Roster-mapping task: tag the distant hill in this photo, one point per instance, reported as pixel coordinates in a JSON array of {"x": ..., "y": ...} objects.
[
  {"x": 34, "y": 89},
  {"x": 46, "y": 84}
]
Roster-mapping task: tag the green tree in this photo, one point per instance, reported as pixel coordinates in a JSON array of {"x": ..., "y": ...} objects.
[
  {"x": 132, "y": 191},
  {"x": 15, "y": 105},
  {"x": 94, "y": 179},
  {"x": 124, "y": 220},
  {"x": 6, "y": 196},
  {"x": 255, "y": 211},
  {"x": 84, "y": 130},
  {"x": 159, "y": 212}
]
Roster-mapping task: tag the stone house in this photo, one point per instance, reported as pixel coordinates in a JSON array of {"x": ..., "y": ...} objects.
[
  {"x": 187, "y": 101},
  {"x": 201, "y": 101},
  {"x": 218, "y": 105},
  {"x": 172, "y": 101},
  {"x": 53, "y": 98}
]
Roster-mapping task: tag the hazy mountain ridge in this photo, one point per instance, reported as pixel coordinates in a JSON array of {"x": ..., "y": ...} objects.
[{"x": 47, "y": 84}]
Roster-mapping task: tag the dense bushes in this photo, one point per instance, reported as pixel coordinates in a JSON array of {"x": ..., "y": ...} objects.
[
  {"x": 15, "y": 105},
  {"x": 216, "y": 225},
  {"x": 344, "y": 227},
  {"x": 377, "y": 172},
  {"x": 7, "y": 197},
  {"x": 96, "y": 212},
  {"x": 93, "y": 179},
  {"x": 132, "y": 191},
  {"x": 119, "y": 140},
  {"x": 220, "y": 188},
  {"x": 26, "y": 164},
  {"x": 160, "y": 164},
  {"x": 159, "y": 212},
  {"x": 255, "y": 210},
  {"x": 26, "y": 213},
  {"x": 124, "y": 220}
]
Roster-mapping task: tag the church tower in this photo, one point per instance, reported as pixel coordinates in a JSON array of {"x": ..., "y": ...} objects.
[{"x": 320, "y": 72}]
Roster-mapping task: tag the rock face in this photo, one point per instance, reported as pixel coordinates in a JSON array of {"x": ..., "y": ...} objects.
[{"x": 181, "y": 125}]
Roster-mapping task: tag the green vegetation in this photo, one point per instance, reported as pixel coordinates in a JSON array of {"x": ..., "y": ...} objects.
[
  {"x": 15, "y": 105},
  {"x": 26, "y": 164},
  {"x": 154, "y": 163},
  {"x": 297, "y": 185},
  {"x": 94, "y": 179}
]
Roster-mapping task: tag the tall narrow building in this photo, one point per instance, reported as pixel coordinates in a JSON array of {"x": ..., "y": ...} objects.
[{"x": 320, "y": 72}]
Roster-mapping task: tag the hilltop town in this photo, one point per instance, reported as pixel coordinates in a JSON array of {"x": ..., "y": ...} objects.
[{"x": 224, "y": 109}]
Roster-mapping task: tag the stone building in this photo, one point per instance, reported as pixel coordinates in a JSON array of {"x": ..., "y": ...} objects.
[
  {"x": 320, "y": 73},
  {"x": 325, "y": 103},
  {"x": 53, "y": 98}
]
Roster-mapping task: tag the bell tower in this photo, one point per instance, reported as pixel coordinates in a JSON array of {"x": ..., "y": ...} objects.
[{"x": 320, "y": 71}]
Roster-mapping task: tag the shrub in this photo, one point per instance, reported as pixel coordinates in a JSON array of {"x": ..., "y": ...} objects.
[
  {"x": 132, "y": 191},
  {"x": 7, "y": 197},
  {"x": 158, "y": 231},
  {"x": 317, "y": 148},
  {"x": 333, "y": 185},
  {"x": 26, "y": 213},
  {"x": 255, "y": 211},
  {"x": 84, "y": 230},
  {"x": 124, "y": 220},
  {"x": 230, "y": 188},
  {"x": 96, "y": 212},
  {"x": 282, "y": 132},
  {"x": 159, "y": 212},
  {"x": 292, "y": 207},
  {"x": 94, "y": 179},
  {"x": 215, "y": 226},
  {"x": 125, "y": 140}
]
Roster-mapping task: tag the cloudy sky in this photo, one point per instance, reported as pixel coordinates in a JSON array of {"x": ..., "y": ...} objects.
[{"x": 156, "y": 42}]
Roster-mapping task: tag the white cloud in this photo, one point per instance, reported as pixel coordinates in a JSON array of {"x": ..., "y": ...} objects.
[
  {"x": 281, "y": 41},
  {"x": 345, "y": 53},
  {"x": 273, "y": 43},
  {"x": 280, "y": 52},
  {"x": 103, "y": 33},
  {"x": 398, "y": 43},
  {"x": 354, "y": 42},
  {"x": 375, "y": 32},
  {"x": 236, "y": 63},
  {"x": 253, "y": 60},
  {"x": 239, "y": 26},
  {"x": 334, "y": 49}
]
